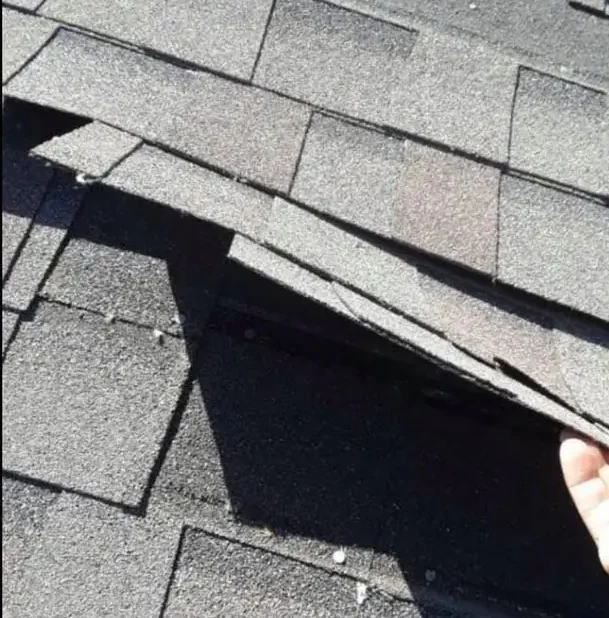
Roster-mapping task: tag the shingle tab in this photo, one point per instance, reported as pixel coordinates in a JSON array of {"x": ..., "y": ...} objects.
[
  {"x": 448, "y": 206},
  {"x": 49, "y": 228},
  {"x": 554, "y": 244},
  {"x": 343, "y": 256},
  {"x": 350, "y": 173},
  {"x": 335, "y": 58},
  {"x": 245, "y": 130},
  {"x": 139, "y": 261},
  {"x": 223, "y": 35},
  {"x": 156, "y": 175},
  {"x": 93, "y": 560},
  {"x": 93, "y": 149},
  {"x": 22, "y": 36},
  {"x": 561, "y": 131},
  {"x": 85, "y": 404}
]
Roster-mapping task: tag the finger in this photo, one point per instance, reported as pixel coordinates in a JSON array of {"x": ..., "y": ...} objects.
[{"x": 581, "y": 460}]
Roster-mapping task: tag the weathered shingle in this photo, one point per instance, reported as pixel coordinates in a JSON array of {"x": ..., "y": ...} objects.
[
  {"x": 156, "y": 175},
  {"x": 448, "y": 206},
  {"x": 224, "y": 35},
  {"x": 86, "y": 404},
  {"x": 335, "y": 58},
  {"x": 22, "y": 36},
  {"x": 247, "y": 131},
  {"x": 93, "y": 149},
  {"x": 350, "y": 173},
  {"x": 93, "y": 560},
  {"x": 561, "y": 131},
  {"x": 554, "y": 244}
]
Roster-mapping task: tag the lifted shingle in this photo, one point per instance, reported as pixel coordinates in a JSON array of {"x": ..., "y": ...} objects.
[
  {"x": 248, "y": 132},
  {"x": 93, "y": 149},
  {"x": 22, "y": 36},
  {"x": 224, "y": 35},
  {"x": 554, "y": 244},
  {"x": 86, "y": 404},
  {"x": 561, "y": 131}
]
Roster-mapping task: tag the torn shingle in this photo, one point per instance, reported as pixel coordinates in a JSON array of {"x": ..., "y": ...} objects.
[
  {"x": 24, "y": 512},
  {"x": 584, "y": 360},
  {"x": 9, "y": 321},
  {"x": 335, "y": 58},
  {"x": 86, "y": 404},
  {"x": 561, "y": 131},
  {"x": 350, "y": 173},
  {"x": 459, "y": 92},
  {"x": 343, "y": 256},
  {"x": 139, "y": 261},
  {"x": 448, "y": 205},
  {"x": 22, "y": 36},
  {"x": 224, "y": 36},
  {"x": 155, "y": 175},
  {"x": 48, "y": 231},
  {"x": 248, "y": 132},
  {"x": 554, "y": 244},
  {"x": 93, "y": 149},
  {"x": 24, "y": 183},
  {"x": 94, "y": 560}
]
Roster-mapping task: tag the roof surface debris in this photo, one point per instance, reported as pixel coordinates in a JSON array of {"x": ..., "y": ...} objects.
[{"x": 296, "y": 295}]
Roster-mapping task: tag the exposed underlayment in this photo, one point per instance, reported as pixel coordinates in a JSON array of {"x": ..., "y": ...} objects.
[{"x": 296, "y": 297}]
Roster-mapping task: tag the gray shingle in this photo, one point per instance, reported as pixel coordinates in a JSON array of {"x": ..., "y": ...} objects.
[
  {"x": 48, "y": 232},
  {"x": 87, "y": 404},
  {"x": 9, "y": 321},
  {"x": 350, "y": 173},
  {"x": 94, "y": 561},
  {"x": 28, "y": 4},
  {"x": 459, "y": 92},
  {"x": 139, "y": 261},
  {"x": 224, "y": 35},
  {"x": 24, "y": 510},
  {"x": 584, "y": 359},
  {"x": 561, "y": 131},
  {"x": 247, "y": 131},
  {"x": 22, "y": 36},
  {"x": 24, "y": 183},
  {"x": 335, "y": 58},
  {"x": 156, "y": 175},
  {"x": 343, "y": 256},
  {"x": 554, "y": 245},
  {"x": 93, "y": 149},
  {"x": 448, "y": 205}
]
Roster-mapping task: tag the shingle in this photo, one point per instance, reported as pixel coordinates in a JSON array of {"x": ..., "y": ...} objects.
[
  {"x": 554, "y": 244},
  {"x": 93, "y": 149},
  {"x": 460, "y": 93},
  {"x": 245, "y": 130},
  {"x": 139, "y": 261},
  {"x": 561, "y": 131},
  {"x": 22, "y": 36},
  {"x": 27, "y": 4},
  {"x": 9, "y": 321},
  {"x": 156, "y": 175},
  {"x": 343, "y": 256},
  {"x": 286, "y": 273},
  {"x": 94, "y": 560},
  {"x": 335, "y": 58},
  {"x": 24, "y": 510},
  {"x": 584, "y": 358},
  {"x": 85, "y": 404},
  {"x": 448, "y": 206},
  {"x": 491, "y": 328},
  {"x": 47, "y": 233},
  {"x": 350, "y": 173},
  {"x": 24, "y": 183},
  {"x": 224, "y": 35}
]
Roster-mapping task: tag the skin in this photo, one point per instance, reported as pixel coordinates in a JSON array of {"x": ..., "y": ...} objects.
[{"x": 585, "y": 467}]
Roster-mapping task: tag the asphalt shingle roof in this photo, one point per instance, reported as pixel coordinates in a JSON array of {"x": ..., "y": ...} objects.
[{"x": 303, "y": 267}]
